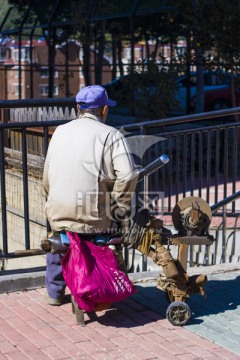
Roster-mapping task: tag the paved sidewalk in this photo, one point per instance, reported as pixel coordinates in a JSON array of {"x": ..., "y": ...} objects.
[
  {"x": 133, "y": 329},
  {"x": 216, "y": 318}
]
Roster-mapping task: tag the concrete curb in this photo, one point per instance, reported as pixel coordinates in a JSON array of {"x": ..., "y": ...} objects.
[
  {"x": 23, "y": 281},
  {"x": 33, "y": 280},
  {"x": 206, "y": 270}
]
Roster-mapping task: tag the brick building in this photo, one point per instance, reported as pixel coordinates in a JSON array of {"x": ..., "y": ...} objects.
[{"x": 28, "y": 77}]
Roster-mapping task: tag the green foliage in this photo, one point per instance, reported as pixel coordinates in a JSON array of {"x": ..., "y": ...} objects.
[
  {"x": 46, "y": 16},
  {"x": 225, "y": 29},
  {"x": 155, "y": 89},
  {"x": 3, "y": 8},
  {"x": 149, "y": 91},
  {"x": 10, "y": 22}
]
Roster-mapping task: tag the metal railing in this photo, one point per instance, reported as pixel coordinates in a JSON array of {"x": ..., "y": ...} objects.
[
  {"x": 202, "y": 159},
  {"x": 223, "y": 205}
]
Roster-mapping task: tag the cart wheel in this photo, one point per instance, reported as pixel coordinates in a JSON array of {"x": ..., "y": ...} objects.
[{"x": 178, "y": 313}]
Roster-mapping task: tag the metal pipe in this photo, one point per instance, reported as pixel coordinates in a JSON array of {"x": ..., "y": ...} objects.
[
  {"x": 153, "y": 166},
  {"x": 234, "y": 156},
  {"x": 224, "y": 222},
  {"x": 71, "y": 101},
  {"x": 51, "y": 50},
  {"x": 20, "y": 49},
  {"x": 25, "y": 103},
  {"x": 31, "y": 61},
  {"x": 217, "y": 164},
  {"x": 25, "y": 190},
  {"x": 3, "y": 195},
  {"x": 209, "y": 160},
  {"x": 45, "y": 141},
  {"x": 185, "y": 152},
  {"x": 200, "y": 159},
  {"x": 67, "y": 67},
  {"x": 146, "y": 190},
  {"x": 225, "y": 201},
  {"x": 177, "y": 166},
  {"x": 225, "y": 163}
]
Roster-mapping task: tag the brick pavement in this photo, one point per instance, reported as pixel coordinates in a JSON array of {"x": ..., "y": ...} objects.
[
  {"x": 217, "y": 318},
  {"x": 133, "y": 329}
]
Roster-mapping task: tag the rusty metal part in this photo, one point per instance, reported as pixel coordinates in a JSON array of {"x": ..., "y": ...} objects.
[
  {"x": 196, "y": 284},
  {"x": 46, "y": 245},
  {"x": 53, "y": 247},
  {"x": 191, "y": 240},
  {"x": 176, "y": 290},
  {"x": 164, "y": 259},
  {"x": 197, "y": 279},
  {"x": 182, "y": 287},
  {"x": 53, "y": 244},
  {"x": 29, "y": 252},
  {"x": 192, "y": 214},
  {"x": 78, "y": 312}
]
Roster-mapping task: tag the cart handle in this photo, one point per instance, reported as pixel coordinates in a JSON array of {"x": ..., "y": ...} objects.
[{"x": 153, "y": 166}]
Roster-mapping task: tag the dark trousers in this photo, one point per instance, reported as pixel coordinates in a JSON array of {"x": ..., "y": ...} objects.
[{"x": 55, "y": 282}]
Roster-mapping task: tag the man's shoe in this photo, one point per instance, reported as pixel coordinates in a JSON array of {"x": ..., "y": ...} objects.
[{"x": 54, "y": 302}]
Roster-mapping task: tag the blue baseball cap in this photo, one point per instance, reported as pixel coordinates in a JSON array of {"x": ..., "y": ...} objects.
[{"x": 93, "y": 97}]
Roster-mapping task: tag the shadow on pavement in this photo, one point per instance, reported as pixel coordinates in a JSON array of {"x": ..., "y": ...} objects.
[
  {"x": 221, "y": 296},
  {"x": 123, "y": 315},
  {"x": 149, "y": 304}
]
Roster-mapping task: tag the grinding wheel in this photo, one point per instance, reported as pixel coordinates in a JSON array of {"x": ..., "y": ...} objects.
[{"x": 182, "y": 210}]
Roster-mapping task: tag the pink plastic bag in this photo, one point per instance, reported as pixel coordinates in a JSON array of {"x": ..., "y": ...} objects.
[{"x": 92, "y": 274}]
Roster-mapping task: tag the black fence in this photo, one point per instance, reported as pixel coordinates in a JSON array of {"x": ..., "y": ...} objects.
[{"x": 203, "y": 153}]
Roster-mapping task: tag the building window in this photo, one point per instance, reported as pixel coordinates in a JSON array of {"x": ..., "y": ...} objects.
[
  {"x": 127, "y": 53},
  {"x": 3, "y": 54},
  {"x": 25, "y": 54},
  {"x": 55, "y": 90},
  {"x": 16, "y": 89},
  {"x": 81, "y": 54},
  {"x": 16, "y": 71},
  {"x": 44, "y": 90},
  {"x": 44, "y": 73},
  {"x": 181, "y": 50}
]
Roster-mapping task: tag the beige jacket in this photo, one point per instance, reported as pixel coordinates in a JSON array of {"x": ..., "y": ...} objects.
[{"x": 89, "y": 177}]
